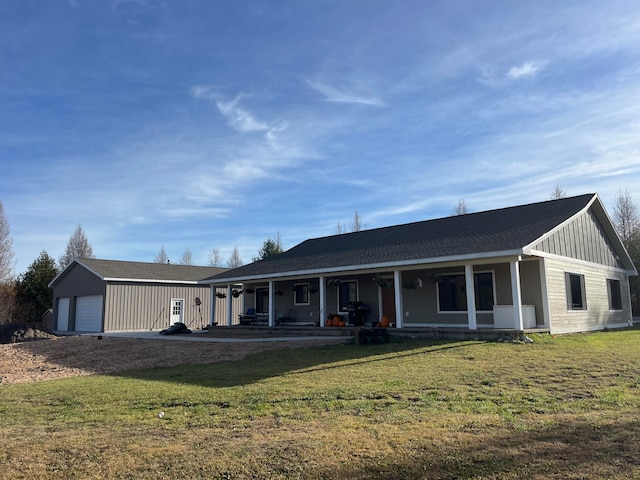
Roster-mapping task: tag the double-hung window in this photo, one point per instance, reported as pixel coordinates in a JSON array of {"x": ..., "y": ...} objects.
[
  {"x": 576, "y": 293},
  {"x": 615, "y": 294},
  {"x": 301, "y": 294}
]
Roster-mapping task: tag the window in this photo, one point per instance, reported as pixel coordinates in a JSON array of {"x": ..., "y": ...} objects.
[
  {"x": 262, "y": 300},
  {"x": 301, "y": 294},
  {"x": 615, "y": 294},
  {"x": 452, "y": 295},
  {"x": 348, "y": 293},
  {"x": 483, "y": 284},
  {"x": 576, "y": 295}
]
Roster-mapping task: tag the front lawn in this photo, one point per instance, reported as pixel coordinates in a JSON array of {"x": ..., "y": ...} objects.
[{"x": 564, "y": 407}]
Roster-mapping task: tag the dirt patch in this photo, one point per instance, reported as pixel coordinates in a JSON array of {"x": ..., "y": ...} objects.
[{"x": 87, "y": 355}]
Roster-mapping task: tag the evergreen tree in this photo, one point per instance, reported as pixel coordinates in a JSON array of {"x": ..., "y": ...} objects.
[
  {"x": 269, "y": 248},
  {"x": 33, "y": 295}
]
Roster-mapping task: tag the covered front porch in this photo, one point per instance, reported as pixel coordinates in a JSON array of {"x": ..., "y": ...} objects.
[{"x": 507, "y": 293}]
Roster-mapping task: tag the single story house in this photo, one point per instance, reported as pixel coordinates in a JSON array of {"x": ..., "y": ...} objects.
[
  {"x": 557, "y": 265},
  {"x": 93, "y": 295}
]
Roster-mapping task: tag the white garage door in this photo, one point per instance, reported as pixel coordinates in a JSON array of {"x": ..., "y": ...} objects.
[
  {"x": 89, "y": 314},
  {"x": 63, "y": 314}
]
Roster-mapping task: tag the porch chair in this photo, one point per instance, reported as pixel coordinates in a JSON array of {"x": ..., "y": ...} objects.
[{"x": 249, "y": 317}]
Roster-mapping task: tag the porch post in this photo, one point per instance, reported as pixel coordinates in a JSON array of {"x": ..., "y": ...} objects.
[
  {"x": 212, "y": 305},
  {"x": 545, "y": 293},
  {"x": 397, "y": 287},
  {"x": 323, "y": 300},
  {"x": 516, "y": 294},
  {"x": 271, "y": 304},
  {"x": 229, "y": 306},
  {"x": 471, "y": 296}
]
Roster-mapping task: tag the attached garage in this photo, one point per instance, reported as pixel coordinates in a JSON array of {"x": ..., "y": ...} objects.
[{"x": 89, "y": 313}]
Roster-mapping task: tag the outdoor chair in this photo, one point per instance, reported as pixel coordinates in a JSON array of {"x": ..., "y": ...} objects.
[{"x": 249, "y": 317}]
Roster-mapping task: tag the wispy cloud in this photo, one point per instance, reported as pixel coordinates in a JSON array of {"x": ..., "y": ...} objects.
[
  {"x": 336, "y": 95},
  {"x": 526, "y": 70}
]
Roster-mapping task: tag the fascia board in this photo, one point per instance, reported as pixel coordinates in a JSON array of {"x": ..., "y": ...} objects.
[
  {"x": 149, "y": 280},
  {"x": 68, "y": 268},
  {"x": 369, "y": 266}
]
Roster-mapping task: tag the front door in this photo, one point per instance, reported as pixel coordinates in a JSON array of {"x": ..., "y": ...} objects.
[
  {"x": 177, "y": 311},
  {"x": 388, "y": 302}
]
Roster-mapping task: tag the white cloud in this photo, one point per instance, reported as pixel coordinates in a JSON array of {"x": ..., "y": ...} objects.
[
  {"x": 526, "y": 70},
  {"x": 336, "y": 95}
]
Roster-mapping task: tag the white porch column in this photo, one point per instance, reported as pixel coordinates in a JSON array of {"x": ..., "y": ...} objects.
[
  {"x": 471, "y": 296},
  {"x": 545, "y": 293},
  {"x": 271, "y": 304},
  {"x": 212, "y": 305},
  {"x": 516, "y": 294},
  {"x": 322, "y": 284},
  {"x": 229, "y": 306},
  {"x": 397, "y": 287}
]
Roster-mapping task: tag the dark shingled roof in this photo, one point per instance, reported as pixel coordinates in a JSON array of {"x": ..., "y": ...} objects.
[
  {"x": 501, "y": 230},
  {"x": 153, "y": 272}
]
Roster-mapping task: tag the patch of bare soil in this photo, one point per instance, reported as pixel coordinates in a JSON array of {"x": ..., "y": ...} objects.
[{"x": 62, "y": 357}]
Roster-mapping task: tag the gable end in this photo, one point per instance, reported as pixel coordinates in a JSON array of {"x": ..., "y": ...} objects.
[{"x": 584, "y": 238}]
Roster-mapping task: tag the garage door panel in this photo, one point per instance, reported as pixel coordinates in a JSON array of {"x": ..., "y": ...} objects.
[
  {"x": 89, "y": 313},
  {"x": 63, "y": 314}
]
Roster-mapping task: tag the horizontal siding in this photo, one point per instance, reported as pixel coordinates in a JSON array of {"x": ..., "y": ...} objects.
[
  {"x": 582, "y": 239},
  {"x": 131, "y": 306},
  {"x": 597, "y": 315}
]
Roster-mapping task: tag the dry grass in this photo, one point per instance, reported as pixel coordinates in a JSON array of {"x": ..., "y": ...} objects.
[{"x": 559, "y": 408}]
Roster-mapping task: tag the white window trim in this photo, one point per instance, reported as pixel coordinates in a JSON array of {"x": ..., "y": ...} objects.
[
  {"x": 464, "y": 312},
  {"x": 609, "y": 296},
  {"x": 569, "y": 298},
  {"x": 338, "y": 292},
  {"x": 295, "y": 285}
]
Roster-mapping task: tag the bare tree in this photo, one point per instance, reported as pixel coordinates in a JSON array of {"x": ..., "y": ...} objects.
[
  {"x": 186, "y": 258},
  {"x": 77, "y": 247},
  {"x": 162, "y": 256},
  {"x": 234, "y": 260},
  {"x": 6, "y": 248},
  {"x": 355, "y": 226},
  {"x": 215, "y": 258},
  {"x": 461, "y": 208},
  {"x": 356, "y": 223},
  {"x": 558, "y": 192},
  {"x": 625, "y": 216}
]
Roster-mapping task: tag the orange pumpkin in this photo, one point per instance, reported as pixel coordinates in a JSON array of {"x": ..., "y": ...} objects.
[
  {"x": 341, "y": 324},
  {"x": 329, "y": 323},
  {"x": 385, "y": 321},
  {"x": 336, "y": 320}
]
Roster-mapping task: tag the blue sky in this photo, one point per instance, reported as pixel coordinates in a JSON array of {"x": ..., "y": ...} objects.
[{"x": 206, "y": 124}]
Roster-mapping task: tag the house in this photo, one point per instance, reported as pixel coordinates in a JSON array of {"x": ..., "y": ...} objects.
[
  {"x": 93, "y": 295},
  {"x": 557, "y": 265}
]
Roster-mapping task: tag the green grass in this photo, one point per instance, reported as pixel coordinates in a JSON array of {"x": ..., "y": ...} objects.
[{"x": 565, "y": 407}]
